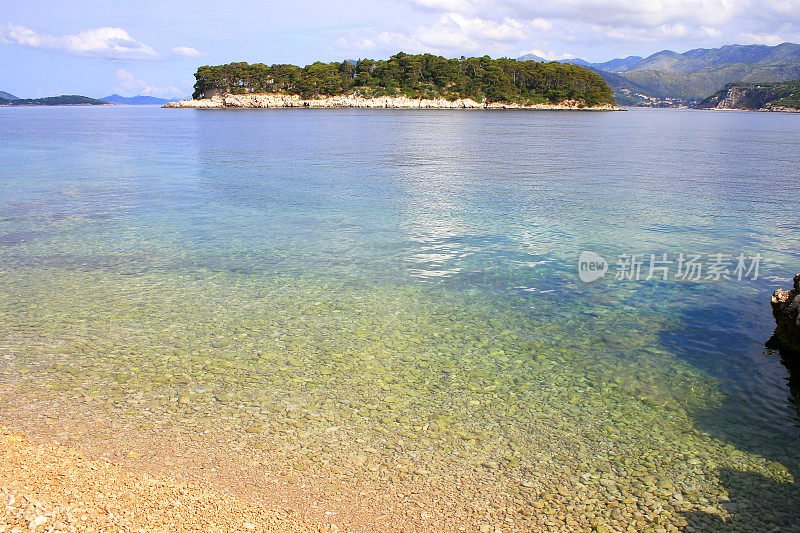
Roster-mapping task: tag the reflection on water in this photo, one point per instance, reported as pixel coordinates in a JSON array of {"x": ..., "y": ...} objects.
[
  {"x": 379, "y": 311},
  {"x": 790, "y": 358},
  {"x": 435, "y": 198}
]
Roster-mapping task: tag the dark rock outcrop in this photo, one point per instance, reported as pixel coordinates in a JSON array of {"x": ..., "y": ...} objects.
[
  {"x": 753, "y": 97},
  {"x": 786, "y": 310},
  {"x": 739, "y": 96}
]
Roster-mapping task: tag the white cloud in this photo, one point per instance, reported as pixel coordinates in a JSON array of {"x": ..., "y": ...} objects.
[
  {"x": 711, "y": 31},
  {"x": 108, "y": 43},
  {"x": 762, "y": 38},
  {"x": 113, "y": 43},
  {"x": 457, "y": 31},
  {"x": 507, "y": 27},
  {"x": 129, "y": 85},
  {"x": 451, "y": 33},
  {"x": 448, "y": 6},
  {"x": 369, "y": 41},
  {"x": 550, "y": 56},
  {"x": 633, "y": 13},
  {"x": 186, "y": 51}
]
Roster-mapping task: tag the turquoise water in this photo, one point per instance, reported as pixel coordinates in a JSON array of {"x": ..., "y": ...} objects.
[{"x": 378, "y": 303}]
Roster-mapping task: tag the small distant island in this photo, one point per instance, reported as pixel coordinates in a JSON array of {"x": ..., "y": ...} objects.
[
  {"x": 402, "y": 81},
  {"x": 8, "y": 99},
  {"x": 134, "y": 100},
  {"x": 64, "y": 99},
  {"x": 778, "y": 96}
]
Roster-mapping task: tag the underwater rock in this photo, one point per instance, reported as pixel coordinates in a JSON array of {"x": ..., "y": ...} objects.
[{"x": 785, "y": 307}]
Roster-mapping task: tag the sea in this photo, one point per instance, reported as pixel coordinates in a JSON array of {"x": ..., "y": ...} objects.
[{"x": 416, "y": 320}]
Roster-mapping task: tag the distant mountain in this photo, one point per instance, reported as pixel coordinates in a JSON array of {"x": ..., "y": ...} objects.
[
  {"x": 619, "y": 64},
  {"x": 135, "y": 100},
  {"x": 539, "y": 59},
  {"x": 699, "y": 73},
  {"x": 782, "y": 96},
  {"x": 735, "y": 54},
  {"x": 670, "y": 78},
  {"x": 626, "y": 92},
  {"x": 615, "y": 65},
  {"x": 576, "y": 61},
  {"x": 701, "y": 84},
  {"x": 532, "y": 57},
  {"x": 64, "y": 99},
  {"x": 7, "y": 96}
]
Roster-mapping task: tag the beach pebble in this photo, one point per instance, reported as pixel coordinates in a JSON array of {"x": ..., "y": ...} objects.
[{"x": 38, "y": 521}]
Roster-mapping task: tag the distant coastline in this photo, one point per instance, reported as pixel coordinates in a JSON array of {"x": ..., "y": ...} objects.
[
  {"x": 8, "y": 99},
  {"x": 64, "y": 99},
  {"x": 276, "y": 100}
]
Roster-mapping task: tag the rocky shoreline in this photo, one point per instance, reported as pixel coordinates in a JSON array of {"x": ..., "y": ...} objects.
[
  {"x": 781, "y": 109},
  {"x": 749, "y": 97},
  {"x": 273, "y": 100},
  {"x": 786, "y": 310}
]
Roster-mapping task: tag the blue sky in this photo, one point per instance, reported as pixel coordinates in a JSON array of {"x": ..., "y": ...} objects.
[{"x": 153, "y": 47}]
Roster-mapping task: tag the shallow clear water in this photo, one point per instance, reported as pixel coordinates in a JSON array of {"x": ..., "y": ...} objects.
[{"x": 369, "y": 298}]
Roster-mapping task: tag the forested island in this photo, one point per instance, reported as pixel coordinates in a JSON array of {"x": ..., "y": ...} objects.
[
  {"x": 65, "y": 99},
  {"x": 465, "y": 82},
  {"x": 779, "y": 96}
]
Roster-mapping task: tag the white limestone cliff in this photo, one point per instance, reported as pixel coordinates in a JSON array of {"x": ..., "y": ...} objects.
[{"x": 267, "y": 100}]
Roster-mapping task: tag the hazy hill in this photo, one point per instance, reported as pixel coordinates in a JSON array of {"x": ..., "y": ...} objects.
[
  {"x": 612, "y": 66},
  {"x": 7, "y": 96},
  {"x": 625, "y": 90},
  {"x": 532, "y": 57},
  {"x": 576, "y": 61},
  {"x": 698, "y": 85},
  {"x": 619, "y": 64},
  {"x": 135, "y": 100},
  {"x": 697, "y": 59},
  {"x": 705, "y": 58}
]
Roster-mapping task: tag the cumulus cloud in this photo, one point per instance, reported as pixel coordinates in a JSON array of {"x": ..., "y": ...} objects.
[
  {"x": 634, "y": 13},
  {"x": 770, "y": 39},
  {"x": 552, "y": 27},
  {"x": 128, "y": 84},
  {"x": 627, "y": 13},
  {"x": 186, "y": 51},
  {"x": 451, "y": 32},
  {"x": 108, "y": 43},
  {"x": 449, "y": 6},
  {"x": 454, "y": 30}
]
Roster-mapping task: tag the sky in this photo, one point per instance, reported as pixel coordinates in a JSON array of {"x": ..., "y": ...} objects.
[{"x": 150, "y": 47}]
